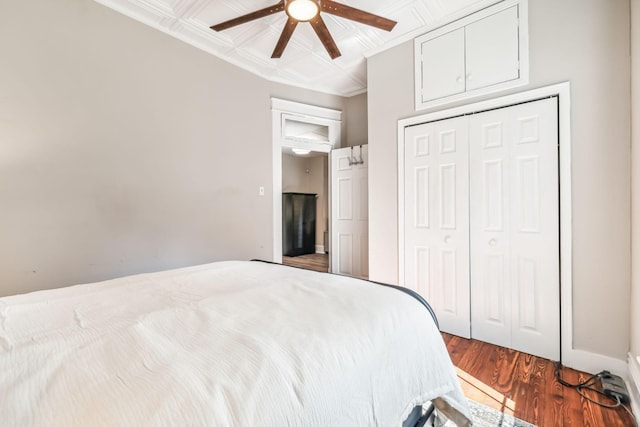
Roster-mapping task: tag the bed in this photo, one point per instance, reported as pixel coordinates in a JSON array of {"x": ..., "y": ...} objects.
[{"x": 234, "y": 343}]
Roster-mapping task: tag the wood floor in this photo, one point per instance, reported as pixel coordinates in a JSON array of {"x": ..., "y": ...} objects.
[
  {"x": 525, "y": 386},
  {"x": 515, "y": 383},
  {"x": 317, "y": 262}
]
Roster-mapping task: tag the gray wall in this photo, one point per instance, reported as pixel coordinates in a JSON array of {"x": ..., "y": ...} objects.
[
  {"x": 295, "y": 179},
  {"x": 586, "y": 43},
  {"x": 635, "y": 183},
  {"x": 355, "y": 121},
  {"x": 319, "y": 184},
  {"x": 123, "y": 150}
]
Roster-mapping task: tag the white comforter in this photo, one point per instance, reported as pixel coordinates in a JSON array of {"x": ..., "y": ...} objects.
[{"x": 224, "y": 344}]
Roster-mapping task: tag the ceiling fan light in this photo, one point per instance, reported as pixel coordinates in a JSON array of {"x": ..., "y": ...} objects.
[{"x": 302, "y": 10}]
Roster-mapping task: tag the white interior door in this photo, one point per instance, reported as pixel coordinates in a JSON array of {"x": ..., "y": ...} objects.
[
  {"x": 350, "y": 211},
  {"x": 437, "y": 219},
  {"x": 514, "y": 228}
]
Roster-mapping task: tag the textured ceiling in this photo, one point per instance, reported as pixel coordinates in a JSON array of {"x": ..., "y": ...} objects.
[{"x": 305, "y": 63}]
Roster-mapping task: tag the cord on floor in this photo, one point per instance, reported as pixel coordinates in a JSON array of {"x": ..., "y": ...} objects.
[{"x": 588, "y": 385}]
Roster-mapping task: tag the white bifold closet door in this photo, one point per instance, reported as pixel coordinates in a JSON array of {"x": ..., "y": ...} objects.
[
  {"x": 437, "y": 219},
  {"x": 481, "y": 223},
  {"x": 514, "y": 228}
]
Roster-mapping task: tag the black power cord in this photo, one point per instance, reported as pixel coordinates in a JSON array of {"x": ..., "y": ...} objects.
[{"x": 588, "y": 385}]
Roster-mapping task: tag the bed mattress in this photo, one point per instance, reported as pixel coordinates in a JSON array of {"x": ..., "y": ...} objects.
[{"x": 235, "y": 343}]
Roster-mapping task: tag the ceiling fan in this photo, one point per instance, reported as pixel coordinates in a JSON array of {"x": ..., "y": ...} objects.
[{"x": 309, "y": 11}]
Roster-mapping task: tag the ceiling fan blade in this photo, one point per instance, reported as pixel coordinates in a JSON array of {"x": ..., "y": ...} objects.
[
  {"x": 284, "y": 37},
  {"x": 357, "y": 15},
  {"x": 278, "y": 7},
  {"x": 325, "y": 37}
]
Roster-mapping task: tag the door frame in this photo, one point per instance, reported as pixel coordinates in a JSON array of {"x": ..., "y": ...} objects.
[
  {"x": 568, "y": 354},
  {"x": 281, "y": 110}
]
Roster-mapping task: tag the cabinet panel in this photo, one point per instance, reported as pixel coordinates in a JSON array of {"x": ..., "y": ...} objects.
[
  {"x": 443, "y": 65},
  {"x": 492, "y": 49},
  {"x": 479, "y": 54}
]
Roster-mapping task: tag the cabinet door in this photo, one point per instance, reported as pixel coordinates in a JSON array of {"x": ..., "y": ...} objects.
[
  {"x": 308, "y": 234},
  {"x": 298, "y": 224},
  {"x": 442, "y": 65},
  {"x": 437, "y": 219},
  {"x": 492, "y": 52}
]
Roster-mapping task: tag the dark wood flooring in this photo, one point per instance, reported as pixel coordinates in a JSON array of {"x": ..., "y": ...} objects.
[
  {"x": 317, "y": 262},
  {"x": 525, "y": 386}
]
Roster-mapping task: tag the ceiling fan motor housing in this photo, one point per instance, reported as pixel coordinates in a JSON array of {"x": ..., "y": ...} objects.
[{"x": 302, "y": 10}]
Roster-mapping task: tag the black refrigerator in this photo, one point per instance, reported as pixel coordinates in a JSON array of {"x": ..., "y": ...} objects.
[{"x": 298, "y": 224}]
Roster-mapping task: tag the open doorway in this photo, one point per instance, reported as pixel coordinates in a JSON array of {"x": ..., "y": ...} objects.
[
  {"x": 303, "y": 136},
  {"x": 305, "y": 207}
]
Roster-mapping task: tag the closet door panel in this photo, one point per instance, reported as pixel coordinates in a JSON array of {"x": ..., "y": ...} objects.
[
  {"x": 535, "y": 229},
  {"x": 421, "y": 280},
  {"x": 514, "y": 228},
  {"x": 482, "y": 224},
  {"x": 493, "y": 280},
  {"x": 419, "y": 199},
  {"x": 489, "y": 228},
  {"x": 421, "y": 195},
  {"x": 436, "y": 219},
  {"x": 449, "y": 281}
]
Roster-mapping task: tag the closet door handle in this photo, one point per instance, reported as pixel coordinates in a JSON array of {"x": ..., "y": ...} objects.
[
  {"x": 447, "y": 239},
  {"x": 493, "y": 242}
]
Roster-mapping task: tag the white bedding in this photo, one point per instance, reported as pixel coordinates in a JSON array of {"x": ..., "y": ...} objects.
[{"x": 225, "y": 344}]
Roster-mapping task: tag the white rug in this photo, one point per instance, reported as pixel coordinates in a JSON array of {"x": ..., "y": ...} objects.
[{"x": 485, "y": 416}]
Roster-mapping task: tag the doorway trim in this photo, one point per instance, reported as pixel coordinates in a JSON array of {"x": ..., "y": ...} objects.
[{"x": 282, "y": 109}]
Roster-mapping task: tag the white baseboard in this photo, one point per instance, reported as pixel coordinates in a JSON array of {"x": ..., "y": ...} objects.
[
  {"x": 633, "y": 384},
  {"x": 319, "y": 249},
  {"x": 593, "y": 363}
]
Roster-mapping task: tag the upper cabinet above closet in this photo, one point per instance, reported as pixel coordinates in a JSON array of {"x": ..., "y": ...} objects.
[{"x": 482, "y": 53}]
